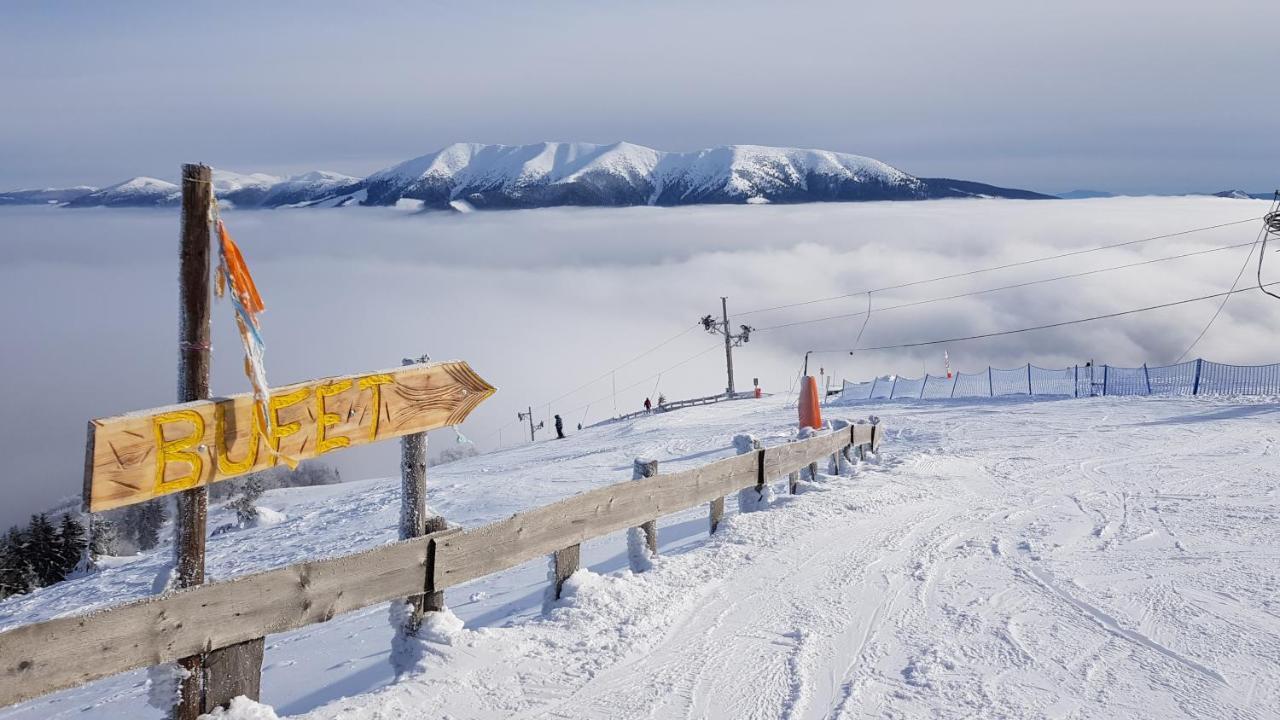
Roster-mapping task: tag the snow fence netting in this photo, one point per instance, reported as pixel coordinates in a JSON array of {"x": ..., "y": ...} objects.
[{"x": 1194, "y": 377}]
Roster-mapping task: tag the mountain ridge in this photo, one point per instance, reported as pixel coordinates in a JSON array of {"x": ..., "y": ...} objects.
[{"x": 552, "y": 174}]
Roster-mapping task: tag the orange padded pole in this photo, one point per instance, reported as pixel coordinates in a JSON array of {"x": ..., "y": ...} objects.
[{"x": 810, "y": 410}]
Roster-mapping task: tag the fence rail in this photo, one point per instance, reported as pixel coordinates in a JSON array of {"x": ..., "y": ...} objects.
[
  {"x": 1194, "y": 377},
  {"x": 56, "y": 654}
]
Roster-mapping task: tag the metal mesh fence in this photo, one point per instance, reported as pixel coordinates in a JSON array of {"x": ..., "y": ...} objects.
[{"x": 1194, "y": 377}]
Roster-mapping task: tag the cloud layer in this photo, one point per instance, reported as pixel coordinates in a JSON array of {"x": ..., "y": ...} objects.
[{"x": 543, "y": 301}]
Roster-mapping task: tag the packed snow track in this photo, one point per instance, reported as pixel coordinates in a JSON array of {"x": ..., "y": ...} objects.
[{"x": 1001, "y": 558}]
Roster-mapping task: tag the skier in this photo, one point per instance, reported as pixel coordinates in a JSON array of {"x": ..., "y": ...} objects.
[
  {"x": 648, "y": 406},
  {"x": 559, "y": 428}
]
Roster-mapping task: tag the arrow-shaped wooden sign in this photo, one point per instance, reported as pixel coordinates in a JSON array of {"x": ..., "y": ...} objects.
[{"x": 135, "y": 457}]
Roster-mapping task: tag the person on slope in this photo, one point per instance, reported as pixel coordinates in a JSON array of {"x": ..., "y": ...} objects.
[
  {"x": 648, "y": 406},
  {"x": 559, "y": 428}
]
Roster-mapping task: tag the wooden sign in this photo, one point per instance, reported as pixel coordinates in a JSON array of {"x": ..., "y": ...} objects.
[{"x": 135, "y": 457}]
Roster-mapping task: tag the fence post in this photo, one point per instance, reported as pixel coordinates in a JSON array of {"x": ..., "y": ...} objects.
[
  {"x": 1104, "y": 379},
  {"x": 813, "y": 466},
  {"x": 991, "y": 387},
  {"x": 751, "y": 499},
  {"x": 1029, "y": 379},
  {"x": 642, "y": 542},
  {"x": 1147, "y": 375},
  {"x": 893, "y": 387},
  {"x": 839, "y": 427},
  {"x": 565, "y": 563},
  {"x": 1195, "y": 389},
  {"x": 954, "y": 382},
  {"x": 1076, "y": 388},
  {"x": 716, "y": 513},
  {"x": 848, "y": 449},
  {"x": 873, "y": 388},
  {"x": 923, "y": 385}
]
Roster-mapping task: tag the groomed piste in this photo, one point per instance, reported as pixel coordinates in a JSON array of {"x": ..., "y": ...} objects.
[{"x": 1012, "y": 557}]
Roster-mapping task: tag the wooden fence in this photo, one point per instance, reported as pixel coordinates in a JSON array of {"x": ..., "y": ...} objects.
[{"x": 65, "y": 652}]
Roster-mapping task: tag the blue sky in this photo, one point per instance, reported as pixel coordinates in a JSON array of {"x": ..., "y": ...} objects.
[{"x": 1125, "y": 96}]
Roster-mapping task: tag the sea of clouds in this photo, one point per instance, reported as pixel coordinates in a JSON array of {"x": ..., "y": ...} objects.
[{"x": 543, "y": 301}]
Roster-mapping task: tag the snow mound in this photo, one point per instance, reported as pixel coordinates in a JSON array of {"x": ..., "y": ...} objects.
[{"x": 242, "y": 708}]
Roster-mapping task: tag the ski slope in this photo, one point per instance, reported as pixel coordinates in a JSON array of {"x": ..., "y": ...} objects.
[{"x": 1004, "y": 558}]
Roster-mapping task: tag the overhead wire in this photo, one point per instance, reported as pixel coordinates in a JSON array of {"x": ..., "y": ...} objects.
[
  {"x": 1050, "y": 325},
  {"x": 1262, "y": 237},
  {"x": 1012, "y": 286},
  {"x": 1006, "y": 266}
]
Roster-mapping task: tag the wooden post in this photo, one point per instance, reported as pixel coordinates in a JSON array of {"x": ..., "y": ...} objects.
[
  {"x": 565, "y": 563},
  {"x": 413, "y": 509},
  {"x": 642, "y": 542},
  {"x": 220, "y": 675},
  {"x": 847, "y": 450},
  {"x": 433, "y": 599},
  {"x": 194, "y": 266},
  {"x": 751, "y": 499},
  {"x": 231, "y": 672},
  {"x": 716, "y": 513}
]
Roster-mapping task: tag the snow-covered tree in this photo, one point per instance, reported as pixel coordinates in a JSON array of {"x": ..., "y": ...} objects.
[
  {"x": 71, "y": 544},
  {"x": 43, "y": 550},
  {"x": 104, "y": 539},
  {"x": 246, "y": 503},
  {"x": 453, "y": 453},
  {"x": 149, "y": 520},
  {"x": 16, "y": 575}
]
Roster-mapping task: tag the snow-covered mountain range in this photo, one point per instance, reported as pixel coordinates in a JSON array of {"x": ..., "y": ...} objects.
[{"x": 469, "y": 175}]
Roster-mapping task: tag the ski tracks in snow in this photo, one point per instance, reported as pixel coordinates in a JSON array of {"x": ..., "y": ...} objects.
[{"x": 1010, "y": 559}]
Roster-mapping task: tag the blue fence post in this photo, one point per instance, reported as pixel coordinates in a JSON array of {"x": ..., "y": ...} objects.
[
  {"x": 991, "y": 388},
  {"x": 1147, "y": 375},
  {"x": 1029, "y": 379},
  {"x": 923, "y": 385},
  {"x": 893, "y": 387},
  {"x": 1104, "y": 379},
  {"x": 1076, "y": 383},
  {"x": 955, "y": 381},
  {"x": 873, "y": 388},
  {"x": 1195, "y": 389}
]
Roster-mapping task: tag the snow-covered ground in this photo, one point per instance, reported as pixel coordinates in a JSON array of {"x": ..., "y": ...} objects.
[{"x": 1108, "y": 557}]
